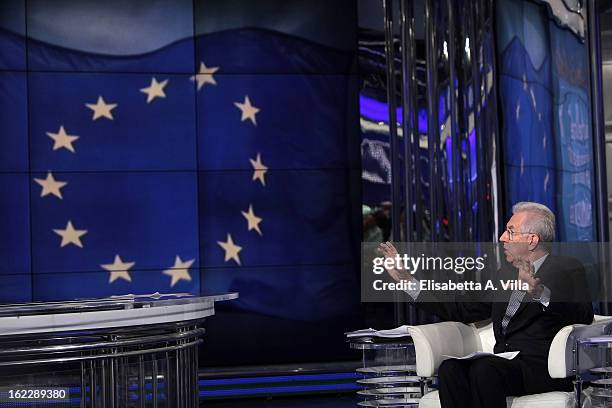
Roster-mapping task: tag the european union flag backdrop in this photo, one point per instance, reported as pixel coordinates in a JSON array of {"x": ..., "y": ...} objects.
[{"x": 142, "y": 151}]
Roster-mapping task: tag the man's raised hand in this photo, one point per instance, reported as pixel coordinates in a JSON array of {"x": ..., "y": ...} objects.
[
  {"x": 526, "y": 272},
  {"x": 388, "y": 251}
]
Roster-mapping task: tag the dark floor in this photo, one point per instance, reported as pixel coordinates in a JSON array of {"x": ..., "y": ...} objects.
[{"x": 334, "y": 401}]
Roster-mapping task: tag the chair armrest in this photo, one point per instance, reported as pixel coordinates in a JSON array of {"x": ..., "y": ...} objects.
[
  {"x": 432, "y": 341},
  {"x": 561, "y": 353}
]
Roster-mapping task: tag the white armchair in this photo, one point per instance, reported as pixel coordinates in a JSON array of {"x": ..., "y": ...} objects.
[{"x": 432, "y": 341}]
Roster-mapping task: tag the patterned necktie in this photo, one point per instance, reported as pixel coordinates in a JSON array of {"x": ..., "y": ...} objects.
[{"x": 513, "y": 305}]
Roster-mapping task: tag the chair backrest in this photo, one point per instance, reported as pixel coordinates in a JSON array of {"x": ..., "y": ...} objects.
[
  {"x": 433, "y": 341},
  {"x": 487, "y": 337},
  {"x": 561, "y": 355}
]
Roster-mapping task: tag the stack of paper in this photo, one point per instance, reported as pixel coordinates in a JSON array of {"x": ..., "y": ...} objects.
[
  {"x": 401, "y": 331},
  {"x": 362, "y": 333}
]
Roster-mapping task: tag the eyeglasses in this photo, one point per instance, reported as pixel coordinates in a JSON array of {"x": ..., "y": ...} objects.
[{"x": 512, "y": 234}]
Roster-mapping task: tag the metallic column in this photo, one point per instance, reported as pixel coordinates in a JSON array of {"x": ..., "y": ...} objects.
[
  {"x": 83, "y": 384},
  {"x": 476, "y": 88},
  {"x": 599, "y": 146},
  {"x": 391, "y": 99},
  {"x": 394, "y": 142},
  {"x": 410, "y": 132},
  {"x": 142, "y": 393},
  {"x": 433, "y": 126},
  {"x": 92, "y": 385},
  {"x": 409, "y": 118},
  {"x": 456, "y": 146},
  {"x": 154, "y": 385},
  {"x": 497, "y": 137},
  {"x": 469, "y": 28},
  {"x": 463, "y": 116}
]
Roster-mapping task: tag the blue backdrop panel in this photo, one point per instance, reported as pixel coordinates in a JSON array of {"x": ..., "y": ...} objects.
[
  {"x": 12, "y": 35},
  {"x": 305, "y": 292},
  {"x": 159, "y": 135},
  {"x": 15, "y": 230},
  {"x": 146, "y": 218},
  {"x": 258, "y": 51},
  {"x": 14, "y": 119},
  {"x": 303, "y": 306},
  {"x": 260, "y": 36},
  {"x": 573, "y": 127},
  {"x": 529, "y": 140},
  {"x": 547, "y": 145},
  {"x": 303, "y": 214},
  {"x": 157, "y": 181},
  {"x": 112, "y": 36},
  {"x": 15, "y": 288},
  {"x": 300, "y": 122},
  {"x": 235, "y": 337}
]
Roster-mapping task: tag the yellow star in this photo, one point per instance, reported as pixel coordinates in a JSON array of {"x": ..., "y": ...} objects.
[
  {"x": 50, "y": 186},
  {"x": 155, "y": 90},
  {"x": 248, "y": 110},
  {"x": 205, "y": 76},
  {"x": 62, "y": 139},
  {"x": 260, "y": 170},
  {"x": 101, "y": 109},
  {"x": 118, "y": 269},
  {"x": 231, "y": 249},
  {"x": 252, "y": 219},
  {"x": 179, "y": 271},
  {"x": 70, "y": 235}
]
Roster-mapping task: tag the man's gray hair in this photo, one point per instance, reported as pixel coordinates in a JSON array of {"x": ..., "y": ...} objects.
[{"x": 542, "y": 224}]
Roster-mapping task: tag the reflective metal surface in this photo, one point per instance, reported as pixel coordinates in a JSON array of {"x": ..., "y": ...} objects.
[
  {"x": 111, "y": 303},
  {"x": 389, "y": 373},
  {"x": 366, "y": 345},
  {"x": 402, "y": 379},
  {"x": 387, "y": 369},
  {"x": 599, "y": 42},
  {"x": 124, "y": 363},
  {"x": 390, "y": 403},
  {"x": 391, "y": 392},
  {"x": 410, "y": 132},
  {"x": 430, "y": 129},
  {"x": 392, "y": 101},
  {"x": 444, "y": 98}
]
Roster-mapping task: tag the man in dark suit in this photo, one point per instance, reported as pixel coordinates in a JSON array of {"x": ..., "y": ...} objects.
[{"x": 527, "y": 322}]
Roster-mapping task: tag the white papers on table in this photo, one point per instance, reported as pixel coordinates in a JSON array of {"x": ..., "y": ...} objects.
[
  {"x": 362, "y": 333},
  {"x": 401, "y": 331}
]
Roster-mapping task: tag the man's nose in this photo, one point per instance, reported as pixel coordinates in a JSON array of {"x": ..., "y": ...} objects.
[{"x": 504, "y": 236}]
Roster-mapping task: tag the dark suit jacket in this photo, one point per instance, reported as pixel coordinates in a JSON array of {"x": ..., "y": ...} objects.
[{"x": 533, "y": 327}]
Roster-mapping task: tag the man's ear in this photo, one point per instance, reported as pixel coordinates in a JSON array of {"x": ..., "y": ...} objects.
[{"x": 534, "y": 241}]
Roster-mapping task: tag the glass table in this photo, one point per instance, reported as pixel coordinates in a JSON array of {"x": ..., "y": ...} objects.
[
  {"x": 596, "y": 353},
  {"x": 388, "y": 373}
]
